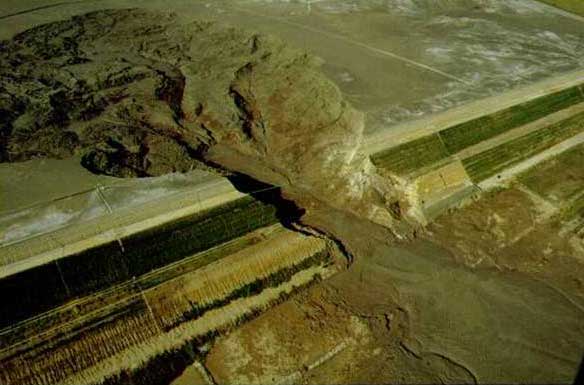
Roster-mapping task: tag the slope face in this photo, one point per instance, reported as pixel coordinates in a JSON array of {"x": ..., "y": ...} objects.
[{"x": 151, "y": 96}]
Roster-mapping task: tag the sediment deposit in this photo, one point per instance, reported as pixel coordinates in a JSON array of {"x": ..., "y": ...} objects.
[{"x": 153, "y": 95}]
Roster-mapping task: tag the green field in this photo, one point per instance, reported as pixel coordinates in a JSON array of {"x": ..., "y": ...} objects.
[
  {"x": 461, "y": 136},
  {"x": 490, "y": 162},
  {"x": 574, "y": 6},
  {"x": 412, "y": 156},
  {"x": 436, "y": 148}
]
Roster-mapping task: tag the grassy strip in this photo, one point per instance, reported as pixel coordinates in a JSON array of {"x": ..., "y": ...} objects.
[
  {"x": 431, "y": 149},
  {"x": 574, "y": 6},
  {"x": 490, "y": 162},
  {"x": 45, "y": 287},
  {"x": 461, "y": 136},
  {"x": 252, "y": 288},
  {"x": 559, "y": 179},
  {"x": 411, "y": 156}
]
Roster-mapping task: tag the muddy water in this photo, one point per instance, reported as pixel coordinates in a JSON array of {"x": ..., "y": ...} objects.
[{"x": 492, "y": 326}]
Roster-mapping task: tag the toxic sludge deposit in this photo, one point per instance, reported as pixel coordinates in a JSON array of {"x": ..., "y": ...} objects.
[
  {"x": 444, "y": 258},
  {"x": 153, "y": 96}
]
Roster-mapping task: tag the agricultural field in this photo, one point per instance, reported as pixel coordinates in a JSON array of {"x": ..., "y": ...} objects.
[
  {"x": 102, "y": 266},
  {"x": 412, "y": 156},
  {"x": 575, "y": 6},
  {"x": 560, "y": 179},
  {"x": 464, "y": 135},
  {"x": 433, "y": 150},
  {"x": 494, "y": 160}
]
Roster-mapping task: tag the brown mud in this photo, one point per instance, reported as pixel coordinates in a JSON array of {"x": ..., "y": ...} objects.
[
  {"x": 424, "y": 317},
  {"x": 180, "y": 96}
]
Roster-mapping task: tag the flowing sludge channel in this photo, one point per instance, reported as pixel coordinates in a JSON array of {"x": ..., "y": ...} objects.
[{"x": 152, "y": 105}]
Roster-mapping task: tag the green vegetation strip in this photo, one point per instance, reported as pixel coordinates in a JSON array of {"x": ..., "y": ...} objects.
[
  {"x": 253, "y": 288},
  {"x": 488, "y": 163},
  {"x": 461, "y": 136},
  {"x": 574, "y": 6},
  {"x": 432, "y": 149},
  {"x": 412, "y": 156},
  {"x": 38, "y": 290}
]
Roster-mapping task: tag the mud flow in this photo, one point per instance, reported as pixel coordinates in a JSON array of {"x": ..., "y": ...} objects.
[{"x": 489, "y": 292}]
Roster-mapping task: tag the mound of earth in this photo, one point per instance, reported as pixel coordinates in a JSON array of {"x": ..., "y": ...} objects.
[{"x": 137, "y": 93}]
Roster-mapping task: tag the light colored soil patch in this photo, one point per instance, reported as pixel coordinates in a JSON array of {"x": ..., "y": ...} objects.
[
  {"x": 559, "y": 179},
  {"x": 441, "y": 182},
  {"x": 191, "y": 376},
  {"x": 292, "y": 341}
]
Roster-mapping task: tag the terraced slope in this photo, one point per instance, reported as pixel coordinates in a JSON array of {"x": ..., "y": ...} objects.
[
  {"x": 98, "y": 268},
  {"x": 437, "y": 148},
  {"x": 488, "y": 163}
]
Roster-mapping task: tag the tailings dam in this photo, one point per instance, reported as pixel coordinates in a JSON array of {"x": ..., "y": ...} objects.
[{"x": 291, "y": 192}]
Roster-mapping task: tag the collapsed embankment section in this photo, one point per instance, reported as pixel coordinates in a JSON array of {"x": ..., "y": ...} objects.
[{"x": 446, "y": 166}]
